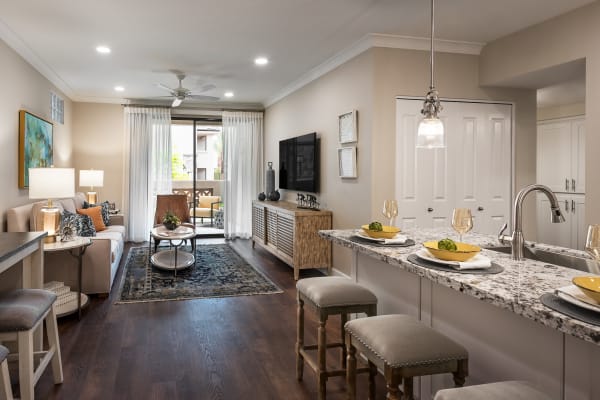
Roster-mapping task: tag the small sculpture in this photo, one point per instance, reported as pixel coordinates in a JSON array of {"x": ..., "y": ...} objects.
[
  {"x": 308, "y": 201},
  {"x": 262, "y": 196}
]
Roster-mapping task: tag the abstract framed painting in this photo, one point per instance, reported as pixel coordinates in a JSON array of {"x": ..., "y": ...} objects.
[{"x": 35, "y": 145}]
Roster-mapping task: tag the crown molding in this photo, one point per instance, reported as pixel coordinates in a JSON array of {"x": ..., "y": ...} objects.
[
  {"x": 375, "y": 40},
  {"x": 19, "y": 46}
]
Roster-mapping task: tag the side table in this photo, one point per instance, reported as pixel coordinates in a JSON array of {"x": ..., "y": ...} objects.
[
  {"x": 172, "y": 259},
  {"x": 75, "y": 248}
]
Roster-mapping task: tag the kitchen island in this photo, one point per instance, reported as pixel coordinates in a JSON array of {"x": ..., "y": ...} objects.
[{"x": 508, "y": 332}]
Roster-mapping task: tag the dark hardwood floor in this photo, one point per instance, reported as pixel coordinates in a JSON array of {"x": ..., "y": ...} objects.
[{"x": 227, "y": 348}]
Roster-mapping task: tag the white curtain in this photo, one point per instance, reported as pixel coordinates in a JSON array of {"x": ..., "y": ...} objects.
[
  {"x": 147, "y": 165},
  {"x": 243, "y": 165}
]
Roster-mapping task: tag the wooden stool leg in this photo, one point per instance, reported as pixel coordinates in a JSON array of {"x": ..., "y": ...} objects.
[
  {"x": 351, "y": 370},
  {"x": 392, "y": 383},
  {"x": 5, "y": 388},
  {"x": 26, "y": 378},
  {"x": 54, "y": 343},
  {"x": 344, "y": 319},
  {"x": 322, "y": 352},
  {"x": 372, "y": 375},
  {"x": 461, "y": 373},
  {"x": 408, "y": 389},
  {"x": 299, "y": 340}
]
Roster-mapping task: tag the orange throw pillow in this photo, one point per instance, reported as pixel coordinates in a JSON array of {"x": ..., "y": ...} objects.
[{"x": 95, "y": 213}]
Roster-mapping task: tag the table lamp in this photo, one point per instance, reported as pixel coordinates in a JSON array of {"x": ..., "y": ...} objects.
[
  {"x": 91, "y": 178},
  {"x": 50, "y": 183}
]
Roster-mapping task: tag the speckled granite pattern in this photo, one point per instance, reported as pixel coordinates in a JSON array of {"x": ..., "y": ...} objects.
[{"x": 518, "y": 288}]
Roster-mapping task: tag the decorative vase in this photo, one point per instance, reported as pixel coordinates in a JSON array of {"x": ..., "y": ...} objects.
[
  {"x": 170, "y": 225},
  {"x": 262, "y": 196},
  {"x": 274, "y": 195},
  {"x": 270, "y": 179}
]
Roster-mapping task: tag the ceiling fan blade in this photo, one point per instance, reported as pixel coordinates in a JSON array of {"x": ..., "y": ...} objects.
[
  {"x": 160, "y": 85},
  {"x": 206, "y": 88},
  {"x": 203, "y": 97},
  {"x": 176, "y": 102}
]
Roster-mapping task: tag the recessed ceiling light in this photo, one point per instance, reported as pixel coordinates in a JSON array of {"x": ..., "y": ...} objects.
[
  {"x": 119, "y": 88},
  {"x": 103, "y": 49},
  {"x": 228, "y": 94},
  {"x": 261, "y": 61}
]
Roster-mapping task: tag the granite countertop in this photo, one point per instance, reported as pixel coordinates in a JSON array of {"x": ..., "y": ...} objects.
[{"x": 518, "y": 288}]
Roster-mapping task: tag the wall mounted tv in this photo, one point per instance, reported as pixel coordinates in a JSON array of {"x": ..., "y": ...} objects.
[{"x": 299, "y": 163}]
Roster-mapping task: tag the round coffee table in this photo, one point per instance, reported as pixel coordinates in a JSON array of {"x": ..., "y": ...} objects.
[{"x": 172, "y": 259}]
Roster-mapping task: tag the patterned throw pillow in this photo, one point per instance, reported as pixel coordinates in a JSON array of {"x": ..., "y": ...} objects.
[
  {"x": 105, "y": 210},
  {"x": 82, "y": 223}
]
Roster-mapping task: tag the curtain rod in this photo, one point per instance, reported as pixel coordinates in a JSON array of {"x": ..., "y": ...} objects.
[{"x": 199, "y": 109}]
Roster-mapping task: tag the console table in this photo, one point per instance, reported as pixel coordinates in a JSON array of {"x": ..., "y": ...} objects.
[{"x": 291, "y": 234}]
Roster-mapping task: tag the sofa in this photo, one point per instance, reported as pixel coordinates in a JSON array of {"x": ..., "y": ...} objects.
[{"x": 101, "y": 258}]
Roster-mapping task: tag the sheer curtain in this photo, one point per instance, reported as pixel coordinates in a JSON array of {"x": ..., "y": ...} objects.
[
  {"x": 147, "y": 165},
  {"x": 243, "y": 164}
]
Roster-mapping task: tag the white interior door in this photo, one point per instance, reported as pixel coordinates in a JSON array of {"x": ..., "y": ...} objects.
[{"x": 473, "y": 171}]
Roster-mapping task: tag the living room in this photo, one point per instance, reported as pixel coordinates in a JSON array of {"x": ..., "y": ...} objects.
[{"x": 366, "y": 72}]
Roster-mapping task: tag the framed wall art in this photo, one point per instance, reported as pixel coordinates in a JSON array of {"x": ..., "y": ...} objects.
[
  {"x": 35, "y": 145},
  {"x": 348, "y": 130},
  {"x": 347, "y": 162}
]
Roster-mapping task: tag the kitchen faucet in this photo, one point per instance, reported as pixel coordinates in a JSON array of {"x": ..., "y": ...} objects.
[{"x": 516, "y": 239}]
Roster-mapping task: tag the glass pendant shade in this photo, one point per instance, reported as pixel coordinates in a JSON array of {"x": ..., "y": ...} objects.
[{"x": 430, "y": 134}]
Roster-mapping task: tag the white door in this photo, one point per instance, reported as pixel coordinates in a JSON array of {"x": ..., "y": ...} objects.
[
  {"x": 578, "y": 155},
  {"x": 558, "y": 234},
  {"x": 554, "y": 155},
  {"x": 579, "y": 230},
  {"x": 473, "y": 171}
]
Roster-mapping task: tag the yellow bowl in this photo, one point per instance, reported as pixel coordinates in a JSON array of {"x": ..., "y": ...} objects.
[
  {"x": 388, "y": 232},
  {"x": 590, "y": 285},
  {"x": 463, "y": 251}
]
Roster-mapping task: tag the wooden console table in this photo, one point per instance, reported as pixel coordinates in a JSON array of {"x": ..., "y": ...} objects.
[{"x": 291, "y": 234}]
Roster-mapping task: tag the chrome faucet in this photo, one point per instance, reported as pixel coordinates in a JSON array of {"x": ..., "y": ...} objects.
[{"x": 516, "y": 239}]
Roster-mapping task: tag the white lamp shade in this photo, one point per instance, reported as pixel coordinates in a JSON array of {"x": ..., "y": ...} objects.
[
  {"x": 91, "y": 177},
  {"x": 431, "y": 133},
  {"x": 51, "y": 183}
]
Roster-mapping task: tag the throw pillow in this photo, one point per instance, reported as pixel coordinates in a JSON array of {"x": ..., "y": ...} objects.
[
  {"x": 105, "y": 210},
  {"x": 82, "y": 223},
  {"x": 95, "y": 213}
]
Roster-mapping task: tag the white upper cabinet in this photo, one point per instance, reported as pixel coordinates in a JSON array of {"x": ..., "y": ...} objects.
[{"x": 561, "y": 154}]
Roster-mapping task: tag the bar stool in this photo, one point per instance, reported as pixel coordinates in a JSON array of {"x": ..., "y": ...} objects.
[
  {"x": 402, "y": 347},
  {"x": 329, "y": 296},
  {"x": 509, "y": 390},
  {"x": 5, "y": 388},
  {"x": 21, "y": 313}
]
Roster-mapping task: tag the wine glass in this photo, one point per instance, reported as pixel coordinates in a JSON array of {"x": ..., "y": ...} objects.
[
  {"x": 462, "y": 221},
  {"x": 592, "y": 243},
  {"x": 390, "y": 210}
]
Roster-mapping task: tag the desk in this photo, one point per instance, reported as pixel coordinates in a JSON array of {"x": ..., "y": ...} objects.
[{"x": 75, "y": 248}]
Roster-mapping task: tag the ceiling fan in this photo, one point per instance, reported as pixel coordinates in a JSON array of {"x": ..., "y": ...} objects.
[{"x": 180, "y": 93}]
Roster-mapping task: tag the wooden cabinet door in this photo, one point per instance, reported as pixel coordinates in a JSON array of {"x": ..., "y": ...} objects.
[{"x": 554, "y": 155}]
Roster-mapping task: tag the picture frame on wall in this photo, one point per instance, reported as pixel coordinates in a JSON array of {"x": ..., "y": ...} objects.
[
  {"x": 347, "y": 162},
  {"x": 35, "y": 145},
  {"x": 347, "y": 125}
]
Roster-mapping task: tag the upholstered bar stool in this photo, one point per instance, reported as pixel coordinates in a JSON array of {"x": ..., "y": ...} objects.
[
  {"x": 509, "y": 390},
  {"x": 5, "y": 388},
  {"x": 329, "y": 296},
  {"x": 402, "y": 347},
  {"x": 21, "y": 313}
]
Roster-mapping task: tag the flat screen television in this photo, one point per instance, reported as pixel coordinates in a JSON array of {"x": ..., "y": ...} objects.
[{"x": 299, "y": 163}]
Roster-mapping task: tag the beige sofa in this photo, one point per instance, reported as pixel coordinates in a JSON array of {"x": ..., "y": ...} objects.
[{"x": 100, "y": 261}]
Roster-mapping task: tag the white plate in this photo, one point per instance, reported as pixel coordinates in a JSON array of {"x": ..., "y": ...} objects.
[
  {"x": 573, "y": 295},
  {"x": 427, "y": 256},
  {"x": 362, "y": 235}
]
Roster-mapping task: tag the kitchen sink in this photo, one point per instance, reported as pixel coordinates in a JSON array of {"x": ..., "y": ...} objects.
[{"x": 564, "y": 260}]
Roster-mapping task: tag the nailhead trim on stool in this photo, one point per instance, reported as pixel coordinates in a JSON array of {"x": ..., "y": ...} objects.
[
  {"x": 509, "y": 390},
  {"x": 21, "y": 313},
  {"x": 329, "y": 296},
  {"x": 403, "y": 348}
]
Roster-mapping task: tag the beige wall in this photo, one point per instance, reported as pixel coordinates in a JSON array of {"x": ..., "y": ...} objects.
[
  {"x": 25, "y": 88},
  {"x": 370, "y": 83},
  {"x": 98, "y": 131},
  {"x": 561, "y": 111},
  {"x": 563, "y": 39}
]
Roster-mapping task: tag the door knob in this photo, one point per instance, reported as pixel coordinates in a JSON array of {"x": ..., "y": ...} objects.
[
  {"x": 479, "y": 208},
  {"x": 429, "y": 209}
]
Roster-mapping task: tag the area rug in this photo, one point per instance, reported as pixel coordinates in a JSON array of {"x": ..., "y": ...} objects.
[{"x": 218, "y": 271}]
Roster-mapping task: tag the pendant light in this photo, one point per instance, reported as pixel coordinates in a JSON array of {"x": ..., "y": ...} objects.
[{"x": 431, "y": 129}]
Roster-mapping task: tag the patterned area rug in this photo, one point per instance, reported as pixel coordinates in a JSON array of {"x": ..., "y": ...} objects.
[{"x": 218, "y": 272}]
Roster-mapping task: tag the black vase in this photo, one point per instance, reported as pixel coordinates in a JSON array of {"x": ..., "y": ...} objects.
[
  {"x": 274, "y": 196},
  {"x": 262, "y": 196}
]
